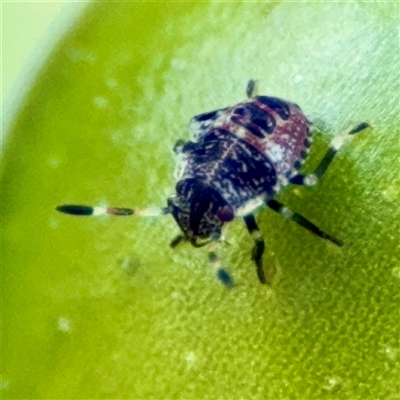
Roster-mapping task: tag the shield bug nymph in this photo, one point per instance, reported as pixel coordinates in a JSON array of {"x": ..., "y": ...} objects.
[{"x": 240, "y": 157}]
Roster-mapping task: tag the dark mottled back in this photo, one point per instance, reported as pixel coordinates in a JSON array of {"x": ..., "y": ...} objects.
[
  {"x": 281, "y": 107},
  {"x": 254, "y": 119},
  {"x": 229, "y": 165}
]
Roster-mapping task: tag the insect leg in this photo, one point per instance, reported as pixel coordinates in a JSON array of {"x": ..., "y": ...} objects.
[
  {"x": 335, "y": 145},
  {"x": 81, "y": 210},
  {"x": 259, "y": 245},
  {"x": 222, "y": 274},
  {"x": 299, "y": 219},
  {"x": 252, "y": 88},
  {"x": 177, "y": 240},
  {"x": 178, "y": 146}
]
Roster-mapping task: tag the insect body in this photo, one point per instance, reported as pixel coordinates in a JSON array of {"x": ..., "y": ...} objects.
[
  {"x": 241, "y": 156},
  {"x": 239, "y": 159}
]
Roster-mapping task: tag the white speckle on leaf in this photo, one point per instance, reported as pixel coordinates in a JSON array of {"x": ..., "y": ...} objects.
[
  {"x": 112, "y": 83},
  {"x": 396, "y": 272},
  {"x": 4, "y": 384},
  {"x": 190, "y": 358},
  {"x": 125, "y": 263},
  {"x": 390, "y": 352},
  {"x": 298, "y": 78},
  {"x": 54, "y": 162},
  {"x": 100, "y": 102},
  {"x": 391, "y": 194},
  {"x": 117, "y": 136},
  {"x": 178, "y": 64},
  {"x": 332, "y": 383},
  {"x": 80, "y": 55},
  {"x": 53, "y": 223},
  {"x": 64, "y": 324}
]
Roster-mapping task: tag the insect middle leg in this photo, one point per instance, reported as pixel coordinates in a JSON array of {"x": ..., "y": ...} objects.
[
  {"x": 335, "y": 145},
  {"x": 304, "y": 222},
  {"x": 259, "y": 245}
]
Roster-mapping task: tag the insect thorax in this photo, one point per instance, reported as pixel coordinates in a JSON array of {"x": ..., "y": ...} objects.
[{"x": 230, "y": 166}]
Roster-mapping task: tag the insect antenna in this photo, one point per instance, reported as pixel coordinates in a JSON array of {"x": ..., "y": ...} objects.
[{"x": 83, "y": 210}]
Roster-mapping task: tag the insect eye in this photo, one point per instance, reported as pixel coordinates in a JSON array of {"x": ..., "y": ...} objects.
[{"x": 225, "y": 213}]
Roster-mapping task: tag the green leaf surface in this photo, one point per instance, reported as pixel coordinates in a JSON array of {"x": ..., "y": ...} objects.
[{"x": 103, "y": 308}]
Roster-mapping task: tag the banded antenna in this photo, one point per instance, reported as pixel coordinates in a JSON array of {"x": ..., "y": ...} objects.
[{"x": 83, "y": 210}]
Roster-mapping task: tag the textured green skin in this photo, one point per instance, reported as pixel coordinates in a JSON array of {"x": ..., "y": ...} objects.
[{"x": 146, "y": 321}]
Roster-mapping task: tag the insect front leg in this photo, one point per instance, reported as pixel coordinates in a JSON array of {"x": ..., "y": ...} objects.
[
  {"x": 222, "y": 274},
  {"x": 299, "y": 219},
  {"x": 259, "y": 245},
  {"x": 335, "y": 145},
  {"x": 177, "y": 240}
]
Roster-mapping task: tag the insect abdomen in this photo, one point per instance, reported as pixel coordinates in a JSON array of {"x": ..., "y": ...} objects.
[{"x": 274, "y": 128}]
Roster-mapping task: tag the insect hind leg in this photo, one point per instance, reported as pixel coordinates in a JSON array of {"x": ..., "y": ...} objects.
[
  {"x": 337, "y": 142},
  {"x": 300, "y": 220},
  {"x": 252, "y": 88}
]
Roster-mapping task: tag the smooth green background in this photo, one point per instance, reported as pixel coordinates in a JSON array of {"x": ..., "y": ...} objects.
[{"x": 103, "y": 308}]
